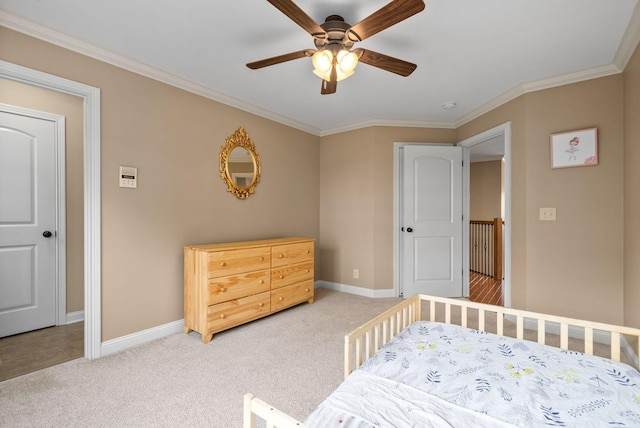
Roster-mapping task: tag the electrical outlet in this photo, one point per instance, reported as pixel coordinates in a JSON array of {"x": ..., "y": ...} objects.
[
  {"x": 548, "y": 214},
  {"x": 356, "y": 273}
]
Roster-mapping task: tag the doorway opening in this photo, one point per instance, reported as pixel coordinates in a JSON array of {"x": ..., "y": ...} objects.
[
  {"x": 495, "y": 142},
  {"x": 91, "y": 121},
  {"x": 489, "y": 151}
]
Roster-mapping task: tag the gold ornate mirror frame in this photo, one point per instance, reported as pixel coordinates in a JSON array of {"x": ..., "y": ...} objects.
[{"x": 240, "y": 164}]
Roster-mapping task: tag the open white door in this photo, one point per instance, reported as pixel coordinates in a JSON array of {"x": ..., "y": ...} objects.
[{"x": 430, "y": 220}]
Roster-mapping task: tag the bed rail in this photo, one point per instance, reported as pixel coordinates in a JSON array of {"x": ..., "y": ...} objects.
[
  {"x": 273, "y": 417},
  {"x": 551, "y": 330},
  {"x": 365, "y": 340}
]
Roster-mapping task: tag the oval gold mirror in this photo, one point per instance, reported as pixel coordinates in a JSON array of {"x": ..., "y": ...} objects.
[{"x": 240, "y": 164}]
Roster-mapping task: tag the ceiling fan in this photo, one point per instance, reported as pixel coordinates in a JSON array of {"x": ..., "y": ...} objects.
[{"x": 333, "y": 59}]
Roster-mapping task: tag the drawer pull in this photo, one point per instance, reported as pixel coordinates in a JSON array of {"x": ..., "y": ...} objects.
[
  {"x": 223, "y": 264},
  {"x": 223, "y": 290},
  {"x": 222, "y": 316},
  {"x": 261, "y": 258},
  {"x": 261, "y": 304},
  {"x": 307, "y": 270},
  {"x": 308, "y": 251},
  {"x": 306, "y": 289},
  {"x": 262, "y": 281},
  {"x": 281, "y": 276},
  {"x": 281, "y": 298},
  {"x": 281, "y": 255}
]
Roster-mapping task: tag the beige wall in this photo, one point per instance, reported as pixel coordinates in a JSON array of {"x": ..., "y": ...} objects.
[
  {"x": 343, "y": 192},
  {"x": 575, "y": 263},
  {"x": 485, "y": 190},
  {"x": 572, "y": 266},
  {"x": 356, "y": 202},
  {"x": 631, "y": 192},
  {"x": 70, "y": 107},
  {"x": 174, "y": 138}
]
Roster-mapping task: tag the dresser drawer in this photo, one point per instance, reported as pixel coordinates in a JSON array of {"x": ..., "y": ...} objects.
[
  {"x": 235, "y": 312},
  {"x": 291, "y": 253},
  {"x": 224, "y": 263},
  {"x": 235, "y": 286},
  {"x": 290, "y": 274},
  {"x": 291, "y": 295}
]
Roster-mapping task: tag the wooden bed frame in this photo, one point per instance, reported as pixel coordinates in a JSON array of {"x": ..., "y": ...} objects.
[{"x": 364, "y": 341}]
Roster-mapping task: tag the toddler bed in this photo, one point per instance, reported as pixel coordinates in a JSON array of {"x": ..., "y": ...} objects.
[{"x": 466, "y": 364}]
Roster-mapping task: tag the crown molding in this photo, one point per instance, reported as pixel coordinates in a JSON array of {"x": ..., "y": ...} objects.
[
  {"x": 629, "y": 41},
  {"x": 387, "y": 122},
  {"x": 539, "y": 85},
  {"x": 626, "y": 49},
  {"x": 65, "y": 41}
]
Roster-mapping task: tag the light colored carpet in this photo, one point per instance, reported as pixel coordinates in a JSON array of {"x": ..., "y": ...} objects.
[{"x": 292, "y": 360}]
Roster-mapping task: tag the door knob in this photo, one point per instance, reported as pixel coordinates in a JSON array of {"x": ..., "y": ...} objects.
[
  {"x": 409, "y": 229},
  {"x": 47, "y": 234}
]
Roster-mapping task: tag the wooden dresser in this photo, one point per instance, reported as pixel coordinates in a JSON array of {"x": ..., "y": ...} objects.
[{"x": 229, "y": 284}]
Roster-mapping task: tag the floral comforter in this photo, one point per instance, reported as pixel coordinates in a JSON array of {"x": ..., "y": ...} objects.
[{"x": 440, "y": 375}]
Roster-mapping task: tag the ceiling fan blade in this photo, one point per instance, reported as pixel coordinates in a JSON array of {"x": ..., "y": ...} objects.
[
  {"x": 385, "y": 62},
  {"x": 298, "y": 16},
  {"x": 280, "y": 58},
  {"x": 330, "y": 86},
  {"x": 391, "y": 14}
]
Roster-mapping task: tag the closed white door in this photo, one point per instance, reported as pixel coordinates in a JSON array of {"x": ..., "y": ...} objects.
[
  {"x": 431, "y": 253},
  {"x": 27, "y": 223}
]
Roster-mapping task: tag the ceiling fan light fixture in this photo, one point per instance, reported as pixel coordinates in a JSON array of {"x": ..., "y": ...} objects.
[
  {"x": 345, "y": 63},
  {"x": 322, "y": 61},
  {"x": 327, "y": 76}
]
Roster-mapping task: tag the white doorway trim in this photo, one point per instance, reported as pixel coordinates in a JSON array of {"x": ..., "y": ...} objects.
[
  {"x": 503, "y": 130},
  {"x": 92, "y": 221},
  {"x": 60, "y": 220}
]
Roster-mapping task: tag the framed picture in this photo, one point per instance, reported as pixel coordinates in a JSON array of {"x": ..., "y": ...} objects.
[{"x": 574, "y": 148}]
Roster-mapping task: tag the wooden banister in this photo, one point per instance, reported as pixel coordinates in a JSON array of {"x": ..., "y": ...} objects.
[{"x": 486, "y": 247}]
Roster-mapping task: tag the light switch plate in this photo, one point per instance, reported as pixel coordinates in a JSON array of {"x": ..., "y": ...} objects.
[
  {"x": 128, "y": 177},
  {"x": 547, "y": 214}
]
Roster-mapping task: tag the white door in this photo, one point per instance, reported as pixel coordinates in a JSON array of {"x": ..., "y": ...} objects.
[
  {"x": 27, "y": 223},
  {"x": 431, "y": 221}
]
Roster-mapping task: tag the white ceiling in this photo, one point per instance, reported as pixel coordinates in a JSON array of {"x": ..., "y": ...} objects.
[{"x": 475, "y": 53}]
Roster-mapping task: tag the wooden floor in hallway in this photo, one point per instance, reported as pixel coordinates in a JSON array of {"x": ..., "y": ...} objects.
[{"x": 485, "y": 289}]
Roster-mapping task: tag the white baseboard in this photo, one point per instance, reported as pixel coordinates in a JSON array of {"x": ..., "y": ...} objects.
[
  {"x": 134, "y": 339},
  {"x": 129, "y": 341},
  {"x": 352, "y": 289},
  {"x": 73, "y": 317}
]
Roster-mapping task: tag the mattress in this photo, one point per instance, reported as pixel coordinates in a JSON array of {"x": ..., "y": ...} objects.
[{"x": 441, "y": 375}]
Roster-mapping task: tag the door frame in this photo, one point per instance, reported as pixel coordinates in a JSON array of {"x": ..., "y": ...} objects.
[
  {"x": 503, "y": 130},
  {"x": 92, "y": 220},
  {"x": 60, "y": 252}
]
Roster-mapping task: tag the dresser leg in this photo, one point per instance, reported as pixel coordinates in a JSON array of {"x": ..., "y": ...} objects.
[
  {"x": 206, "y": 338},
  {"x": 187, "y": 330},
  {"x": 310, "y": 300}
]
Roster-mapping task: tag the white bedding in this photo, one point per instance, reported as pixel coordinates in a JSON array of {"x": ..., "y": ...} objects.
[
  {"x": 367, "y": 400},
  {"x": 440, "y": 375}
]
